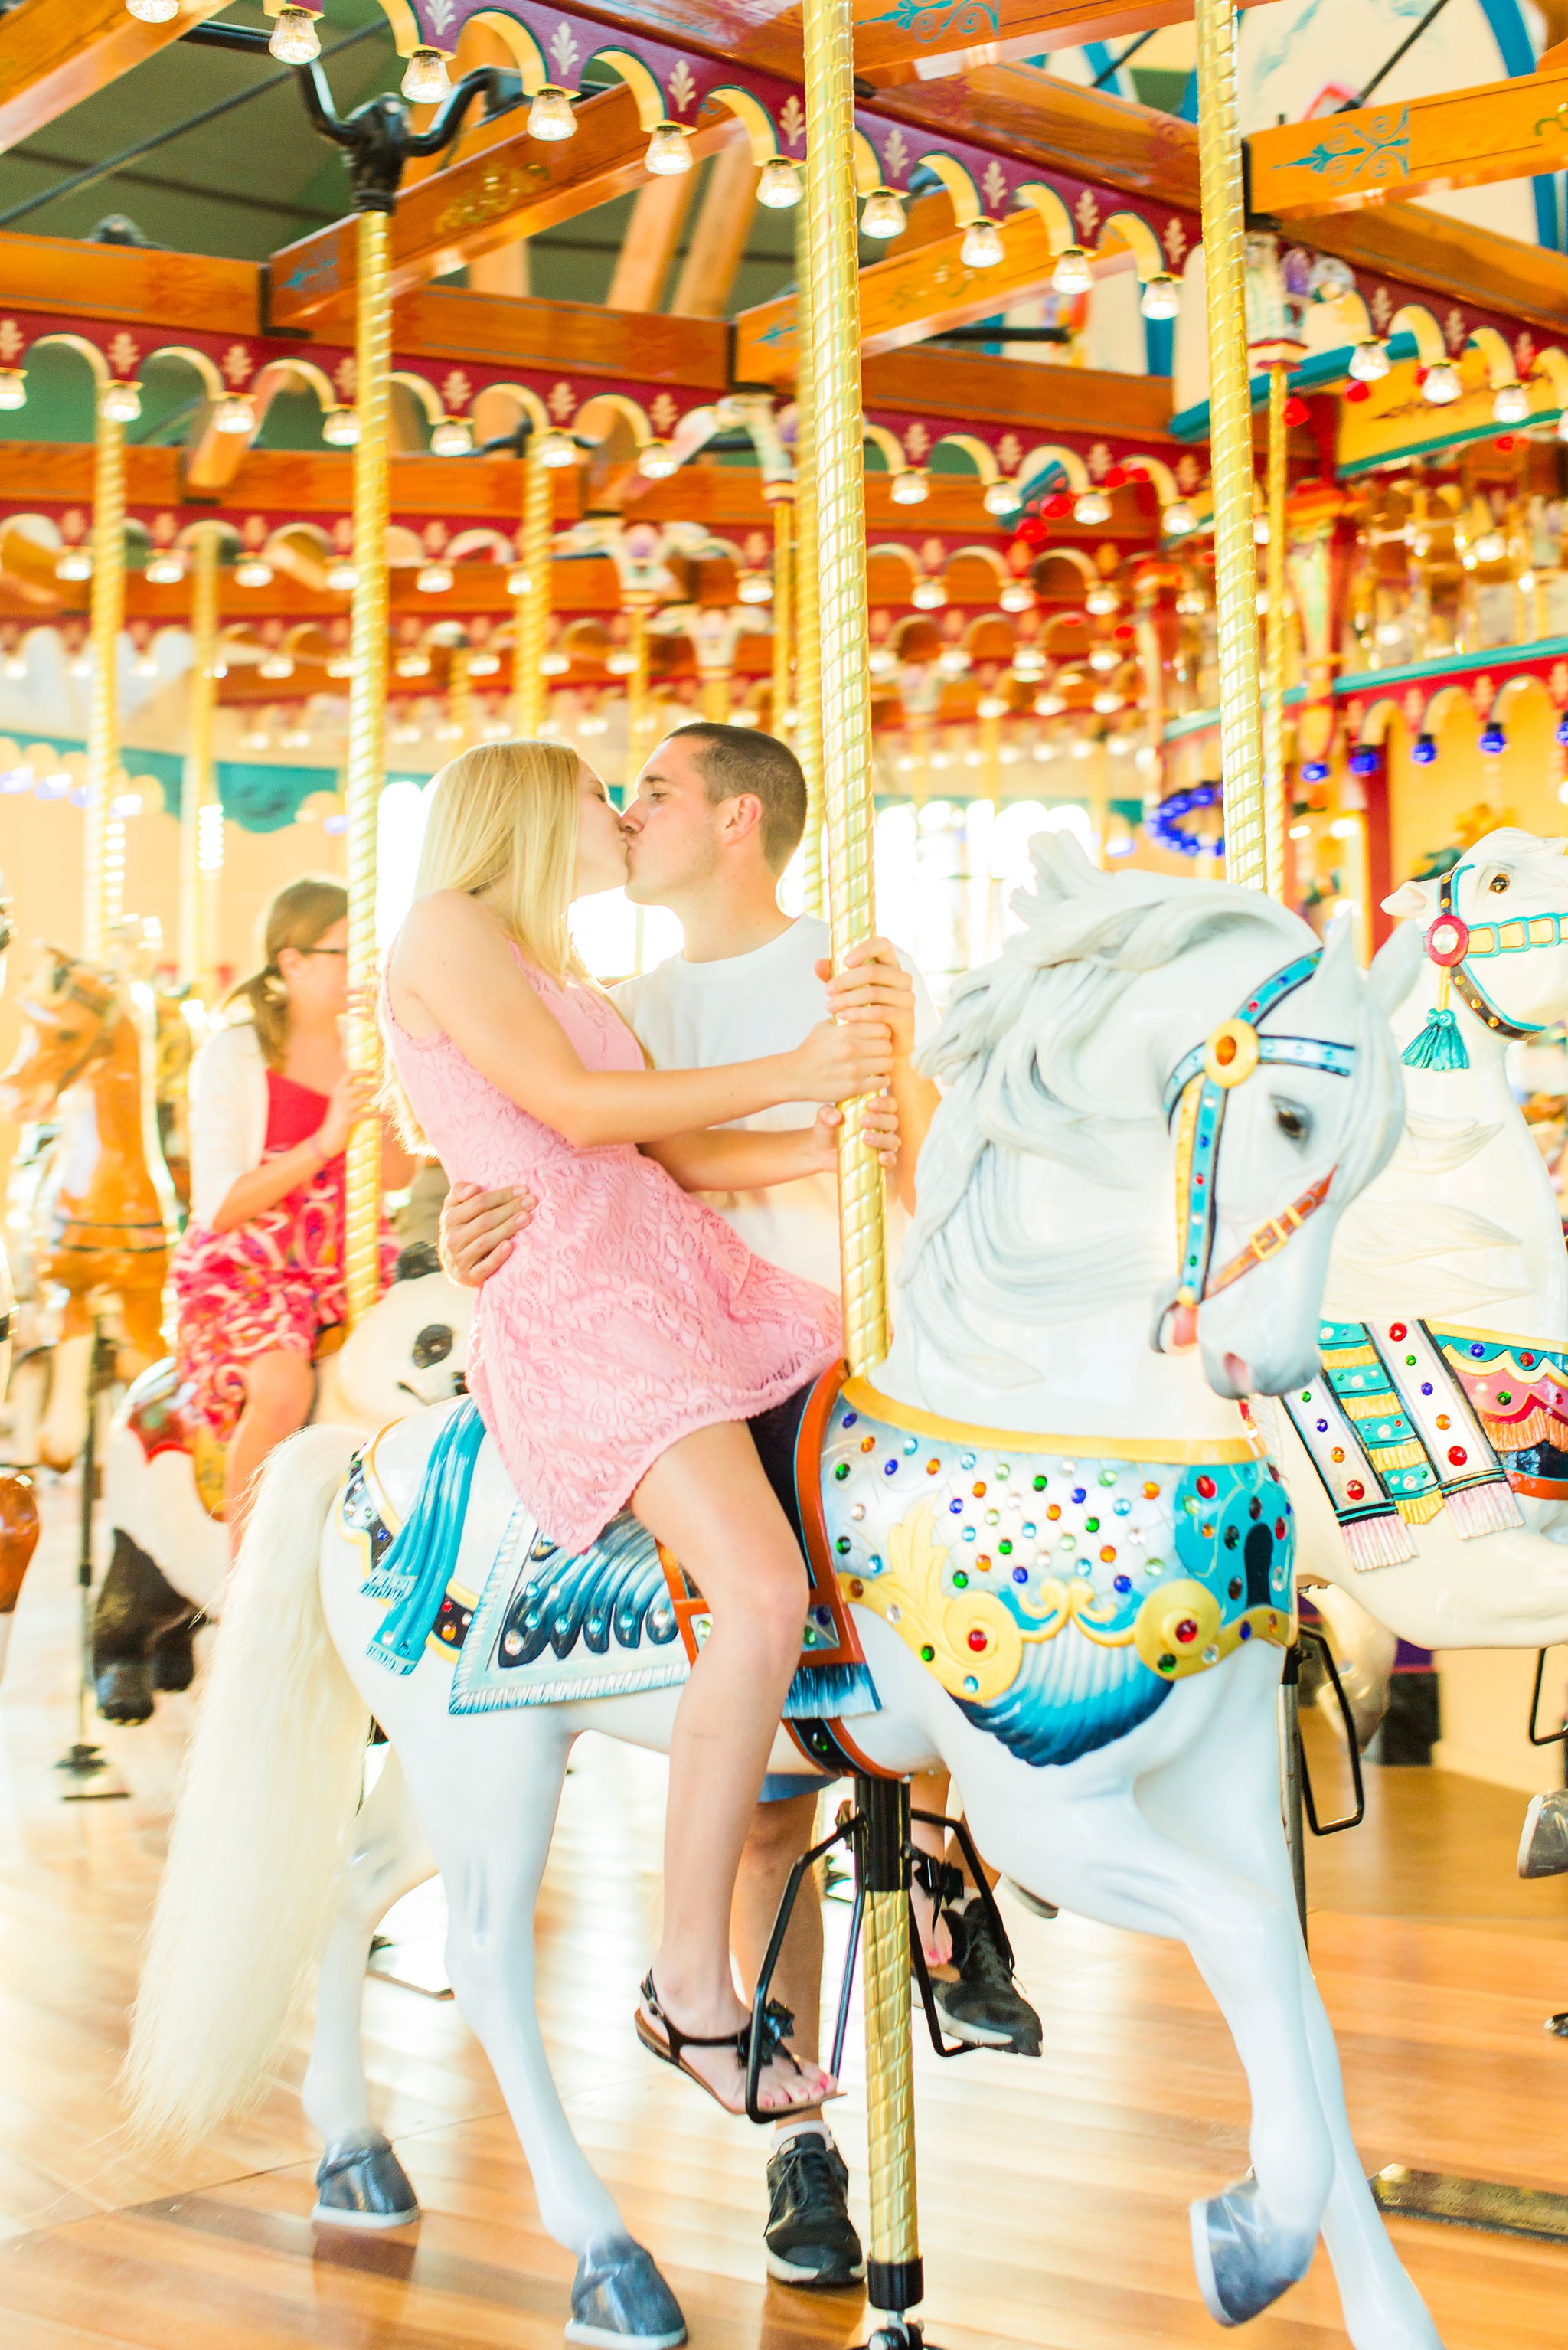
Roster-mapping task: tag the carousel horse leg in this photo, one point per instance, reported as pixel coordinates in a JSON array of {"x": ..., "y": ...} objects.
[
  {"x": 491, "y": 1858},
  {"x": 63, "y": 1430},
  {"x": 18, "y": 1541},
  {"x": 360, "y": 2183}
]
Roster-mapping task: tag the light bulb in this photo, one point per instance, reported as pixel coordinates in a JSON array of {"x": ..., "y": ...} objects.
[
  {"x": 621, "y": 663},
  {"x": 1072, "y": 273},
  {"x": 163, "y": 571},
  {"x": 425, "y": 82},
  {"x": 1094, "y": 506},
  {"x": 883, "y": 214},
  {"x": 1260, "y": 530},
  {"x": 1049, "y": 705},
  {"x": 1028, "y": 661},
  {"x": 1510, "y": 403},
  {"x": 983, "y": 247},
  {"x": 252, "y": 571},
  {"x": 990, "y": 705},
  {"x": 668, "y": 150},
  {"x": 1562, "y": 426},
  {"x": 910, "y": 487},
  {"x": 928, "y": 595},
  {"x": 1490, "y": 546},
  {"x": 120, "y": 402},
  {"x": 551, "y": 116},
  {"x": 883, "y": 662},
  {"x": 153, "y": 12},
  {"x": 656, "y": 461},
  {"x": 434, "y": 578},
  {"x": 293, "y": 38},
  {"x": 753, "y": 587},
  {"x": 1179, "y": 518},
  {"x": 340, "y": 428},
  {"x": 235, "y": 413},
  {"x": 413, "y": 664},
  {"x": 1017, "y": 596},
  {"x": 484, "y": 664},
  {"x": 144, "y": 666},
  {"x": 1161, "y": 298},
  {"x": 13, "y": 387},
  {"x": 452, "y": 437},
  {"x": 778, "y": 184},
  {"x": 1442, "y": 384},
  {"x": 517, "y": 581},
  {"x": 341, "y": 665},
  {"x": 557, "y": 449},
  {"x": 1103, "y": 658},
  {"x": 342, "y": 578},
  {"x": 555, "y": 664},
  {"x": 1369, "y": 360},
  {"x": 1102, "y": 601},
  {"x": 13, "y": 668},
  {"x": 276, "y": 666},
  {"x": 76, "y": 563},
  {"x": 1107, "y": 701},
  {"x": 1000, "y": 497}
]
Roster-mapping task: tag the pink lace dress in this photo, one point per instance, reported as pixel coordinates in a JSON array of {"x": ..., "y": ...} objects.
[{"x": 629, "y": 1313}]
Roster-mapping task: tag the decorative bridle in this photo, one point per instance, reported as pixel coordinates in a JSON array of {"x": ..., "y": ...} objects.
[
  {"x": 1195, "y": 1097},
  {"x": 1452, "y": 944}
]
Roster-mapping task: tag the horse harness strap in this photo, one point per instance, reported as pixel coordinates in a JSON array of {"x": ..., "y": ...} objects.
[
  {"x": 1195, "y": 1097},
  {"x": 1452, "y": 943}
]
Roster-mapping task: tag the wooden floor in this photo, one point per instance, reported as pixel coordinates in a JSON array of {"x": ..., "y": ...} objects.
[{"x": 1053, "y": 2194}]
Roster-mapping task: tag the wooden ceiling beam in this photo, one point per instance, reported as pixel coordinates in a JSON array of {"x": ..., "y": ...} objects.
[
  {"x": 148, "y": 290},
  {"x": 54, "y": 55},
  {"x": 579, "y": 338},
  {"x": 719, "y": 238},
  {"x": 1031, "y": 398},
  {"x": 1420, "y": 146}
]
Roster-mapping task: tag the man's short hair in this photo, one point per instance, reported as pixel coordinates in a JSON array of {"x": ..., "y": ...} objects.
[{"x": 734, "y": 759}]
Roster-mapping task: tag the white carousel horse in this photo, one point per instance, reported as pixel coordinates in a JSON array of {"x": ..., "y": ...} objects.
[
  {"x": 164, "y": 1478},
  {"x": 1438, "y": 1506},
  {"x": 1039, "y": 1614},
  {"x": 18, "y": 1504}
]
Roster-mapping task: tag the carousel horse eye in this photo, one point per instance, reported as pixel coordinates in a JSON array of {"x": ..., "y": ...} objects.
[
  {"x": 1498, "y": 884},
  {"x": 434, "y": 1344},
  {"x": 1293, "y": 1121}
]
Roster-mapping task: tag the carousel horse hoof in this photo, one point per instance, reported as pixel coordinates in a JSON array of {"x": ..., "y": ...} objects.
[
  {"x": 984, "y": 2006},
  {"x": 124, "y": 1691},
  {"x": 364, "y": 2187},
  {"x": 619, "y": 2301},
  {"x": 174, "y": 1657},
  {"x": 1244, "y": 2260},
  {"x": 1543, "y": 1845}
]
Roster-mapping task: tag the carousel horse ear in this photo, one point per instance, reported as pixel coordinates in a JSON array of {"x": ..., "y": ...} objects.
[
  {"x": 418, "y": 1258},
  {"x": 1410, "y": 898}
]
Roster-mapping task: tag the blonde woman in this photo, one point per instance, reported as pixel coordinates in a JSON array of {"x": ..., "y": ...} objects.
[
  {"x": 259, "y": 1274},
  {"x": 618, "y": 1352}
]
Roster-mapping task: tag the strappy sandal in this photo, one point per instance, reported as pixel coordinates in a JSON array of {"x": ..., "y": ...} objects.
[
  {"x": 669, "y": 2044},
  {"x": 944, "y": 1887}
]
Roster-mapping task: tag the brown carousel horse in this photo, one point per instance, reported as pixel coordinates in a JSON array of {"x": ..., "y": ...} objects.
[
  {"x": 18, "y": 1504},
  {"x": 99, "y": 1235}
]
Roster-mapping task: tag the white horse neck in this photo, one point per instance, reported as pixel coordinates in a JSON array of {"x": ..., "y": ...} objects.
[{"x": 1463, "y": 1222}]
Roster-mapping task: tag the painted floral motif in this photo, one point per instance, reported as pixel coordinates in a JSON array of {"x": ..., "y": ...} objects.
[
  {"x": 435, "y": 536},
  {"x": 238, "y": 366},
  {"x": 895, "y": 157},
  {"x": 993, "y": 186},
  {"x": 1098, "y": 461},
  {"x": 565, "y": 53},
  {"x": 164, "y": 526},
  {"x": 343, "y": 535},
  {"x": 1482, "y": 692},
  {"x": 916, "y": 440},
  {"x": 1174, "y": 239},
  {"x": 455, "y": 392},
  {"x": 1010, "y": 453},
  {"x": 1524, "y": 353},
  {"x": 680, "y": 88},
  {"x": 123, "y": 354},
  {"x": 1086, "y": 213},
  {"x": 662, "y": 413},
  {"x": 562, "y": 400},
  {"x": 1382, "y": 307},
  {"x": 345, "y": 377},
  {"x": 253, "y": 530},
  {"x": 441, "y": 14},
  {"x": 792, "y": 121},
  {"x": 1456, "y": 334},
  {"x": 933, "y": 554},
  {"x": 1413, "y": 707},
  {"x": 11, "y": 339},
  {"x": 1188, "y": 471}
]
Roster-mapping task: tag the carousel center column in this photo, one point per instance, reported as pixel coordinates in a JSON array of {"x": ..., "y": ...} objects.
[{"x": 100, "y": 880}]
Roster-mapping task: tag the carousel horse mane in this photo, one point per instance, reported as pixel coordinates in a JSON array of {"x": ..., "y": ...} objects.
[{"x": 1027, "y": 1076}]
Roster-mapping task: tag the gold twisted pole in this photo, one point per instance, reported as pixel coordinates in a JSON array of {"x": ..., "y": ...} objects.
[
  {"x": 1230, "y": 444},
  {"x": 807, "y": 607},
  {"x": 103, "y": 867},
  {"x": 1275, "y": 638},
  {"x": 781, "y": 495},
  {"x": 531, "y": 624},
  {"x": 459, "y": 699},
  {"x": 367, "y": 737},
  {"x": 197, "y": 871}
]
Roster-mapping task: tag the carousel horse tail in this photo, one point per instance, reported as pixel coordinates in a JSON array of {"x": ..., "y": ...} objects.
[{"x": 266, "y": 1802}]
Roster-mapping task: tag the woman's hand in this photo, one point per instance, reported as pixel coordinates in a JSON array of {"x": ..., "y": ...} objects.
[
  {"x": 351, "y": 1099},
  {"x": 879, "y": 1131},
  {"x": 873, "y": 984},
  {"x": 843, "y": 1059},
  {"x": 477, "y": 1230}
]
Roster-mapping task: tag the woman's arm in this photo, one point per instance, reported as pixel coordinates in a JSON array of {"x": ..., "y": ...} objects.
[
  {"x": 452, "y": 960},
  {"x": 727, "y": 1161},
  {"x": 251, "y": 1194}
]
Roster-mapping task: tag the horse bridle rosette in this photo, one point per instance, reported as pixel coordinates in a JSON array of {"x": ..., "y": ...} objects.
[
  {"x": 1195, "y": 1097},
  {"x": 1452, "y": 943}
]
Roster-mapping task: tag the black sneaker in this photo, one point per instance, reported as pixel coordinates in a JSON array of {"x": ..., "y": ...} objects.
[
  {"x": 984, "y": 2006},
  {"x": 810, "y": 2236}
]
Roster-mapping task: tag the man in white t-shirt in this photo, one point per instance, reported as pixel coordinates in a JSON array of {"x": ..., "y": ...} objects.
[{"x": 719, "y": 813}]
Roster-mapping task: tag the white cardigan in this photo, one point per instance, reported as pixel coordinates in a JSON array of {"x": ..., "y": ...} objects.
[{"x": 228, "y": 1113}]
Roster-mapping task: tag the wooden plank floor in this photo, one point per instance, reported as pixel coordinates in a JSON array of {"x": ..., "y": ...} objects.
[{"x": 1053, "y": 2194}]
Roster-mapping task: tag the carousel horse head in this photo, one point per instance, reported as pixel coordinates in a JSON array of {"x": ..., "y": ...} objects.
[
  {"x": 1146, "y": 1036},
  {"x": 1496, "y": 929},
  {"x": 66, "y": 1017},
  {"x": 413, "y": 1349}
]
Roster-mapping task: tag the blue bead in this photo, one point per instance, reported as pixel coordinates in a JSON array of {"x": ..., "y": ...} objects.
[
  {"x": 1122, "y": 1583},
  {"x": 1079, "y": 1494},
  {"x": 1021, "y": 1574},
  {"x": 890, "y": 1467},
  {"x": 849, "y": 1420},
  {"x": 1477, "y": 1352},
  {"x": 1323, "y": 1428},
  {"x": 966, "y": 1460},
  {"x": 957, "y": 1509},
  {"x": 911, "y": 1444},
  {"x": 1426, "y": 1386}
]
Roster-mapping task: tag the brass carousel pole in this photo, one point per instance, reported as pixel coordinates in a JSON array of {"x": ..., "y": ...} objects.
[
  {"x": 366, "y": 736},
  {"x": 459, "y": 699},
  {"x": 102, "y": 883},
  {"x": 1231, "y": 443},
  {"x": 781, "y": 495},
  {"x": 531, "y": 622},
  {"x": 197, "y": 870},
  {"x": 809, "y": 641},
  {"x": 1274, "y": 640},
  {"x": 829, "y": 293}
]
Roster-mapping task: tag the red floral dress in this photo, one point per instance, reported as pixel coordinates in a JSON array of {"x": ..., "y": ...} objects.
[{"x": 270, "y": 1284}]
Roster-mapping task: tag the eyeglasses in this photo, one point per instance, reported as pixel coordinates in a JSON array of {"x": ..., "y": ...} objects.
[{"x": 326, "y": 950}]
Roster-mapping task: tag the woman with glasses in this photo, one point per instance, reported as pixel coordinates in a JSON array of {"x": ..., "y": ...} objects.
[{"x": 258, "y": 1277}]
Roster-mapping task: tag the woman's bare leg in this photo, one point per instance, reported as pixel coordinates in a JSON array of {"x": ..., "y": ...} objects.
[
  {"x": 708, "y": 1501},
  {"x": 279, "y": 1388}
]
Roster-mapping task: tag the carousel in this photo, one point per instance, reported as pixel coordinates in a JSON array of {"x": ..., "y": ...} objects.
[{"x": 1119, "y": 454}]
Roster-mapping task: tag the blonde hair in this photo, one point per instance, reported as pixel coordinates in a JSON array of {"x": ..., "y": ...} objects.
[
  {"x": 298, "y": 916},
  {"x": 507, "y": 813}
]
